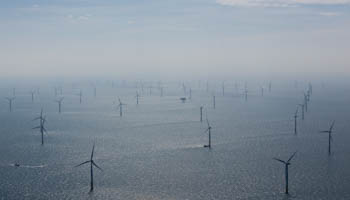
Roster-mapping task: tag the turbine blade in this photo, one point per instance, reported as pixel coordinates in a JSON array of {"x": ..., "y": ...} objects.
[
  {"x": 290, "y": 158},
  {"x": 92, "y": 152},
  {"x": 282, "y": 161},
  {"x": 330, "y": 130},
  {"x": 36, "y": 127},
  {"x": 97, "y": 166},
  {"x": 82, "y": 163}
]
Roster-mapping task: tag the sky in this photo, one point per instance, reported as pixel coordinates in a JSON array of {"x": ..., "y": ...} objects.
[{"x": 172, "y": 38}]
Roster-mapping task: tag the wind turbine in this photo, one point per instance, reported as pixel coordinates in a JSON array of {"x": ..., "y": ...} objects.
[
  {"x": 32, "y": 93},
  {"x": 295, "y": 121},
  {"x": 41, "y": 125},
  {"x": 10, "y": 100},
  {"x": 59, "y": 101},
  {"x": 209, "y": 135},
  {"x": 246, "y": 94},
  {"x": 137, "y": 98},
  {"x": 92, "y": 164},
  {"x": 286, "y": 168},
  {"x": 120, "y": 107},
  {"x": 80, "y": 96},
  {"x": 305, "y": 101},
  {"x": 262, "y": 91},
  {"x": 201, "y": 113},
  {"x": 330, "y": 139}
]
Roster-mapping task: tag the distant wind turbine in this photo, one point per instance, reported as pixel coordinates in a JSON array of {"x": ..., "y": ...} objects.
[
  {"x": 32, "y": 93},
  {"x": 305, "y": 101},
  {"x": 80, "y": 96},
  {"x": 120, "y": 106},
  {"x": 209, "y": 135},
  {"x": 10, "y": 100},
  {"x": 41, "y": 126},
  {"x": 295, "y": 121},
  {"x": 59, "y": 101},
  {"x": 262, "y": 90},
  {"x": 286, "y": 168},
  {"x": 137, "y": 98},
  {"x": 92, "y": 164},
  {"x": 330, "y": 139},
  {"x": 201, "y": 113},
  {"x": 246, "y": 95}
]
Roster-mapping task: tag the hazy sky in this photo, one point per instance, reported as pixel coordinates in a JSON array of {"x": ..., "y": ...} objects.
[{"x": 174, "y": 37}]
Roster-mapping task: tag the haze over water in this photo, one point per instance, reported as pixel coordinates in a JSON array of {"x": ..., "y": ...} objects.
[{"x": 155, "y": 151}]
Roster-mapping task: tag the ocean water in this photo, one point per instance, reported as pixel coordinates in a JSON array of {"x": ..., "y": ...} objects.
[{"x": 155, "y": 151}]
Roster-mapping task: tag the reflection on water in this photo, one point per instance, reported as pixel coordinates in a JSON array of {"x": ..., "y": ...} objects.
[{"x": 155, "y": 151}]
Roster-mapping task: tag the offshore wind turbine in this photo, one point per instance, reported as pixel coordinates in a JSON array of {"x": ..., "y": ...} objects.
[
  {"x": 286, "y": 163},
  {"x": 305, "y": 101},
  {"x": 137, "y": 98},
  {"x": 201, "y": 113},
  {"x": 330, "y": 139},
  {"x": 262, "y": 90},
  {"x": 120, "y": 106},
  {"x": 295, "y": 121},
  {"x": 32, "y": 93},
  {"x": 209, "y": 135},
  {"x": 59, "y": 101},
  {"x": 80, "y": 96},
  {"x": 10, "y": 100},
  {"x": 41, "y": 126},
  {"x": 92, "y": 164}
]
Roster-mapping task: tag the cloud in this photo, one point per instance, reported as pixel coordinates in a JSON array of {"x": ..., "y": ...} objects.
[{"x": 280, "y": 3}]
